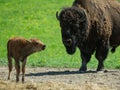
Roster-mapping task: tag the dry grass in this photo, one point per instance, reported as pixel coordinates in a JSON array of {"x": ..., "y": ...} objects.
[{"x": 7, "y": 85}]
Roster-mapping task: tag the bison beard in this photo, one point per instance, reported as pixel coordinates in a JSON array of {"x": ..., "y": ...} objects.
[{"x": 91, "y": 26}]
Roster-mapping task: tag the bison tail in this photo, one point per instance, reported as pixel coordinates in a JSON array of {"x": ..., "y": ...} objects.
[{"x": 113, "y": 49}]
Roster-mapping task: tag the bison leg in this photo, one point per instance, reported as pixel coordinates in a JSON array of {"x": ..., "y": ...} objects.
[
  {"x": 23, "y": 69},
  {"x": 85, "y": 60},
  {"x": 17, "y": 67},
  {"x": 101, "y": 54},
  {"x": 9, "y": 66}
]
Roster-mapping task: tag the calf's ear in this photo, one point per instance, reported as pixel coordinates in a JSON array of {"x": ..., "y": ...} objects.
[{"x": 28, "y": 41}]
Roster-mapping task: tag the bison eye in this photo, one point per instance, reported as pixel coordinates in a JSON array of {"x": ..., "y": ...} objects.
[{"x": 36, "y": 43}]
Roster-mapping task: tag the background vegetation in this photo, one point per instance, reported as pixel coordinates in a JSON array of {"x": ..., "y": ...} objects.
[{"x": 36, "y": 19}]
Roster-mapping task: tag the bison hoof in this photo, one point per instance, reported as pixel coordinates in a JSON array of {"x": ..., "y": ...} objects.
[
  {"x": 100, "y": 69},
  {"x": 82, "y": 70}
]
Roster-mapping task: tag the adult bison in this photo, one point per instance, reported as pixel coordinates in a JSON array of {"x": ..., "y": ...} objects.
[{"x": 92, "y": 26}]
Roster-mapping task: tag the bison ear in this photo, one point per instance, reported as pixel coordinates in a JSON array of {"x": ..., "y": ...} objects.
[
  {"x": 57, "y": 16},
  {"x": 83, "y": 16}
]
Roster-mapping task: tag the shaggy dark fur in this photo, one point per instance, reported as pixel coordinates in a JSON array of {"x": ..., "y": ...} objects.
[{"x": 92, "y": 26}]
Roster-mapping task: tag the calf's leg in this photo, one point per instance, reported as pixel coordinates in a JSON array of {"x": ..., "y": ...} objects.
[
  {"x": 17, "y": 67},
  {"x": 23, "y": 69},
  {"x": 9, "y": 66}
]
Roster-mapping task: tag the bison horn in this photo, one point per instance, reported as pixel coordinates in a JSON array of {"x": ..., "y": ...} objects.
[{"x": 57, "y": 16}]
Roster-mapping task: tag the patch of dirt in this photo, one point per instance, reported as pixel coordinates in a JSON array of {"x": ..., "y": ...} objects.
[{"x": 61, "y": 79}]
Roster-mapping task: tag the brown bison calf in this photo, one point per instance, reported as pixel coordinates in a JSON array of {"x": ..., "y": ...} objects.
[{"x": 20, "y": 49}]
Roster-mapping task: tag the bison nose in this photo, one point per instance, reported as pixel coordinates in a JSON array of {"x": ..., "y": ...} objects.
[
  {"x": 68, "y": 42},
  {"x": 44, "y": 46}
]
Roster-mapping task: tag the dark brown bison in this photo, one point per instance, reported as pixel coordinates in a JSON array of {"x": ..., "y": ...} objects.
[
  {"x": 92, "y": 26},
  {"x": 19, "y": 49}
]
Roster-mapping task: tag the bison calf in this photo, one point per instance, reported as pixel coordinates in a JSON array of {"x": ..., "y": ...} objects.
[{"x": 19, "y": 49}]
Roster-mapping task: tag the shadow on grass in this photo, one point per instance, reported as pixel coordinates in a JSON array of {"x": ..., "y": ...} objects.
[{"x": 59, "y": 73}]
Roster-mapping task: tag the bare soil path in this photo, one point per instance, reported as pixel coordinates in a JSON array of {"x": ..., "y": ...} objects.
[{"x": 61, "y": 79}]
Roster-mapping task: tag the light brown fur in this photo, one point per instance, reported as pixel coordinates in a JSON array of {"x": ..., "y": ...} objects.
[{"x": 19, "y": 49}]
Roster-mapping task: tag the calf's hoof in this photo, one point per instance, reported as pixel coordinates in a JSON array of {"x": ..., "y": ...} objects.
[
  {"x": 8, "y": 78},
  {"x": 23, "y": 80},
  {"x": 17, "y": 80}
]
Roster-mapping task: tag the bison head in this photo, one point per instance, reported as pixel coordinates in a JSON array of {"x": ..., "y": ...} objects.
[{"x": 74, "y": 25}]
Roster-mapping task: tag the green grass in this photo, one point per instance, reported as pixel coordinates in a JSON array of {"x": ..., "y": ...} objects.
[{"x": 36, "y": 19}]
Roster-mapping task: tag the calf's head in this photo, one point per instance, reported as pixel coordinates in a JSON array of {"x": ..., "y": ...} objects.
[
  {"x": 74, "y": 25},
  {"x": 37, "y": 45}
]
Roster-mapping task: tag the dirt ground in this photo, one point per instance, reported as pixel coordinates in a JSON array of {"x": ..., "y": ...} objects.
[{"x": 61, "y": 79}]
